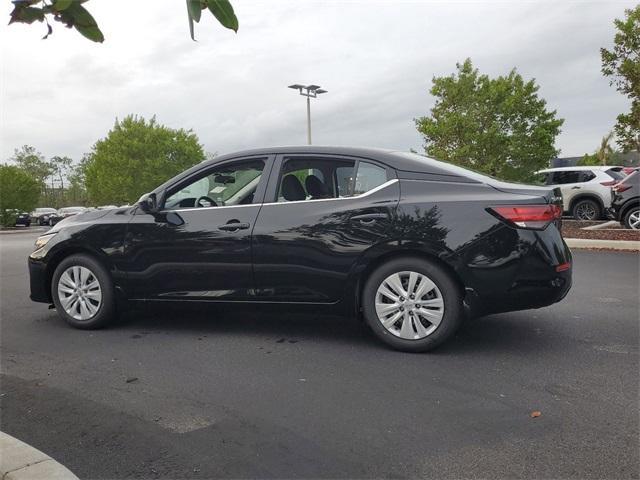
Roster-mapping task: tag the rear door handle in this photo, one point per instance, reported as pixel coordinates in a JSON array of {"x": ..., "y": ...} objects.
[
  {"x": 369, "y": 217},
  {"x": 575, "y": 188},
  {"x": 233, "y": 226}
]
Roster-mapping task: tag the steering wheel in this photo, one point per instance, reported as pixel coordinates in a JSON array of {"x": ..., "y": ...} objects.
[{"x": 204, "y": 197}]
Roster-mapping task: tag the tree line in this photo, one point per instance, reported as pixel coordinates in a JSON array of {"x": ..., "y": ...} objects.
[{"x": 498, "y": 126}]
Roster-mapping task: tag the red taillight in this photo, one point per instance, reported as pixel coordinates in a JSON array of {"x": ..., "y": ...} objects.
[
  {"x": 608, "y": 184},
  {"x": 563, "y": 267},
  {"x": 535, "y": 217},
  {"x": 620, "y": 187}
]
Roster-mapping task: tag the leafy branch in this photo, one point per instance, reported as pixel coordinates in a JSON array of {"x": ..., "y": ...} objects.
[{"x": 72, "y": 14}]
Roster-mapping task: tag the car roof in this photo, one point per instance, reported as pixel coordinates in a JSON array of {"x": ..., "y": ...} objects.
[{"x": 579, "y": 167}]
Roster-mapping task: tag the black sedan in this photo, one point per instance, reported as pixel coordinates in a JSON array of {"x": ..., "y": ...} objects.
[
  {"x": 409, "y": 243},
  {"x": 625, "y": 201},
  {"x": 24, "y": 219}
]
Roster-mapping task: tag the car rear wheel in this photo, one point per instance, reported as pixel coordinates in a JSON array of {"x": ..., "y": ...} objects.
[
  {"x": 412, "y": 304},
  {"x": 82, "y": 292},
  {"x": 586, "y": 210},
  {"x": 632, "y": 218}
]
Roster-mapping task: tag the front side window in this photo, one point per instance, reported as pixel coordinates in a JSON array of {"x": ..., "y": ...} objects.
[{"x": 226, "y": 185}]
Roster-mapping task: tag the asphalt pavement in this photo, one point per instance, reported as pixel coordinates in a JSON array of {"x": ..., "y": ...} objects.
[{"x": 210, "y": 393}]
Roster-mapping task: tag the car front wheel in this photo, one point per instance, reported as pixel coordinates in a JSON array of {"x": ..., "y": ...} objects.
[
  {"x": 632, "y": 218},
  {"x": 412, "y": 304},
  {"x": 82, "y": 291}
]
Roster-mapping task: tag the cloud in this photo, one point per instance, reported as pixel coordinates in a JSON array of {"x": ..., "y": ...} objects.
[{"x": 376, "y": 58}]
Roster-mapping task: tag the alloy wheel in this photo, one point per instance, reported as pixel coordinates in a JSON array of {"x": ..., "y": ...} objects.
[
  {"x": 79, "y": 292},
  {"x": 409, "y": 305},
  {"x": 586, "y": 211},
  {"x": 634, "y": 220}
]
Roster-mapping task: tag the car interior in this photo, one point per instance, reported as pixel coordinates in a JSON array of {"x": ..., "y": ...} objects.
[{"x": 315, "y": 179}]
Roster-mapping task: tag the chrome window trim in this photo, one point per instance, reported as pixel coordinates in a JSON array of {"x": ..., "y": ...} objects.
[
  {"x": 210, "y": 208},
  {"x": 365, "y": 194}
]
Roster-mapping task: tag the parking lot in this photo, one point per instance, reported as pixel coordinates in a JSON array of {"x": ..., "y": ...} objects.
[{"x": 173, "y": 393}]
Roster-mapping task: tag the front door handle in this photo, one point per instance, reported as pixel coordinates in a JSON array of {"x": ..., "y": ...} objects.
[
  {"x": 368, "y": 218},
  {"x": 233, "y": 226}
]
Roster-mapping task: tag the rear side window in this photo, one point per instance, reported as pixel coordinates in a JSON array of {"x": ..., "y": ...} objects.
[
  {"x": 315, "y": 179},
  {"x": 325, "y": 178},
  {"x": 369, "y": 176},
  {"x": 563, "y": 177},
  {"x": 586, "y": 176}
]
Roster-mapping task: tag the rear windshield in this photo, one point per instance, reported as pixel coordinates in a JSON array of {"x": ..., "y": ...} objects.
[
  {"x": 451, "y": 168},
  {"x": 616, "y": 173},
  {"x": 632, "y": 178}
]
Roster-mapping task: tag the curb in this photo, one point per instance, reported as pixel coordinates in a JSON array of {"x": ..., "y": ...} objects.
[
  {"x": 25, "y": 230},
  {"x": 19, "y": 461},
  {"x": 627, "y": 245}
]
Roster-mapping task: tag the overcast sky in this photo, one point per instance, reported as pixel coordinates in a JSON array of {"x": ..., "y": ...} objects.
[{"x": 376, "y": 59}]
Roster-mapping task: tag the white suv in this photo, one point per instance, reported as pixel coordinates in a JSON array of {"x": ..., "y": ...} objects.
[{"x": 586, "y": 191}]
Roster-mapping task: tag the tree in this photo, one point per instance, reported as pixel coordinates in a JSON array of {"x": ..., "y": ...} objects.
[
  {"x": 589, "y": 160},
  {"x": 60, "y": 167},
  {"x": 76, "y": 193},
  {"x": 604, "y": 152},
  {"x": 32, "y": 162},
  {"x": 622, "y": 66},
  {"x": 72, "y": 14},
  {"x": 137, "y": 156},
  {"x": 498, "y": 126},
  {"x": 18, "y": 191}
]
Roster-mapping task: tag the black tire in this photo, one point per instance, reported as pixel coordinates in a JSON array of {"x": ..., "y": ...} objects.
[
  {"x": 632, "y": 212},
  {"x": 586, "y": 209},
  {"x": 106, "y": 312},
  {"x": 451, "y": 296}
]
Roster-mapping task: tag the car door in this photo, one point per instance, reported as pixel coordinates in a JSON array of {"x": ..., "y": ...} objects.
[
  {"x": 320, "y": 214},
  {"x": 569, "y": 183},
  {"x": 199, "y": 244}
]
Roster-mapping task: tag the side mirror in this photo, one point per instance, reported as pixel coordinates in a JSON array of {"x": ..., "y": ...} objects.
[{"x": 148, "y": 203}]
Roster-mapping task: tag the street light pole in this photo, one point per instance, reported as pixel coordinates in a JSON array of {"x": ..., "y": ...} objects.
[
  {"x": 308, "y": 120},
  {"x": 309, "y": 91}
]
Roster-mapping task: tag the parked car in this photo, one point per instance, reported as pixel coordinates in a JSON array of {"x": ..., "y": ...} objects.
[
  {"x": 625, "y": 201},
  {"x": 41, "y": 215},
  {"x": 24, "y": 219},
  {"x": 408, "y": 242},
  {"x": 586, "y": 191},
  {"x": 65, "y": 212}
]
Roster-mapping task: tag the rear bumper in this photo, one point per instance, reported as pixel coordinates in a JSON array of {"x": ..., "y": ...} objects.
[
  {"x": 525, "y": 294},
  {"x": 529, "y": 269}
]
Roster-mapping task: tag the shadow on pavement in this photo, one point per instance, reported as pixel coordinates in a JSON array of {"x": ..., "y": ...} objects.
[{"x": 514, "y": 332}]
